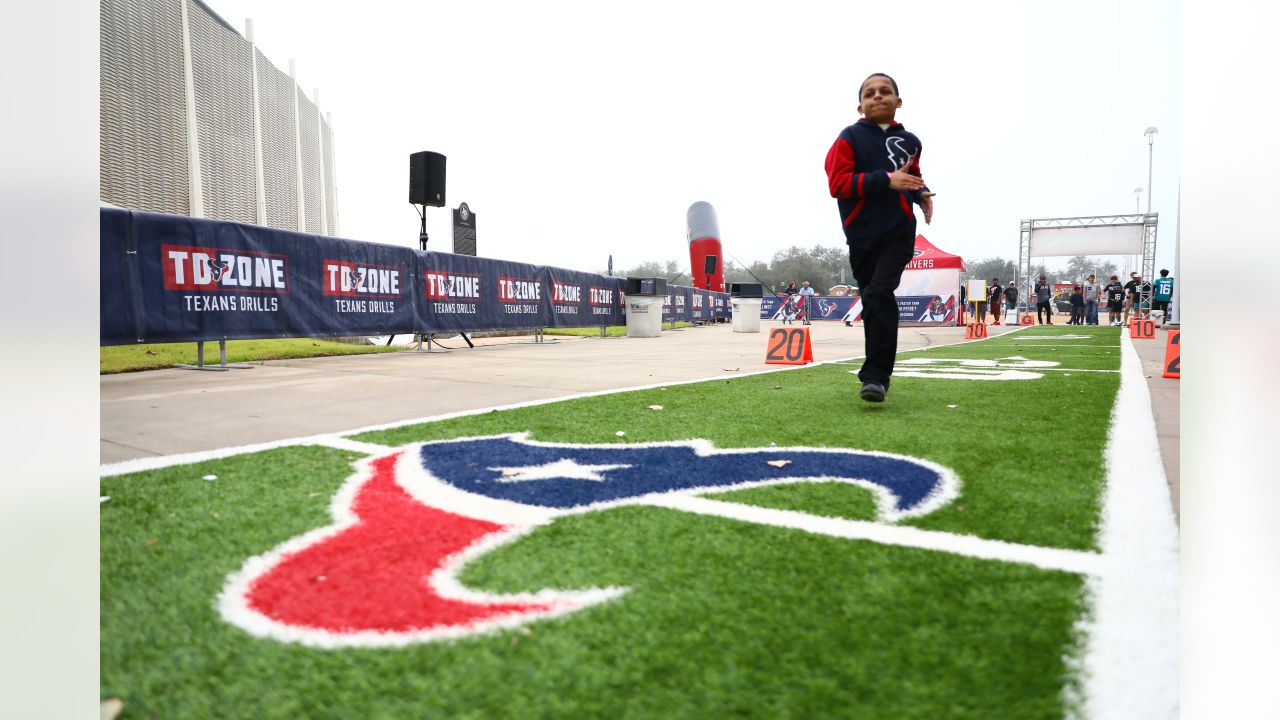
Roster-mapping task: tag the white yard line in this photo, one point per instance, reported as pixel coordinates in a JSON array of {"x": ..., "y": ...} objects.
[
  {"x": 343, "y": 443},
  {"x": 1073, "y": 561},
  {"x": 1131, "y": 658}
]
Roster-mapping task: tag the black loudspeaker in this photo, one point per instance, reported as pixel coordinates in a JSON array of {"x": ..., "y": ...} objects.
[
  {"x": 646, "y": 286},
  {"x": 709, "y": 265},
  {"x": 426, "y": 179}
]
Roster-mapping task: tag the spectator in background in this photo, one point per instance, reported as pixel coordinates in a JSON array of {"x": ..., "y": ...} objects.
[
  {"x": 791, "y": 289},
  {"x": 1011, "y": 300},
  {"x": 1092, "y": 293},
  {"x": 1130, "y": 289},
  {"x": 1115, "y": 300},
  {"x": 996, "y": 298},
  {"x": 1163, "y": 294},
  {"x": 805, "y": 292},
  {"x": 1077, "y": 306},
  {"x": 1044, "y": 294}
]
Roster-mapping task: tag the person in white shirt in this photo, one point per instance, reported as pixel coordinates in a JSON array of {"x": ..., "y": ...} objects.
[
  {"x": 805, "y": 291},
  {"x": 1092, "y": 294}
]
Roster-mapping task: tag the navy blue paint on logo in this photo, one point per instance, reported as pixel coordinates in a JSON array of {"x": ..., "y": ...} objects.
[{"x": 468, "y": 465}]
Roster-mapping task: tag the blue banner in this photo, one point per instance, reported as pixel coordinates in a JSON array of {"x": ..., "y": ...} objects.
[
  {"x": 911, "y": 308},
  {"x": 578, "y": 299},
  {"x": 172, "y": 278}
]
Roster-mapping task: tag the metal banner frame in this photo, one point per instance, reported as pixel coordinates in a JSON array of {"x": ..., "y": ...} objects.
[{"x": 1148, "y": 221}]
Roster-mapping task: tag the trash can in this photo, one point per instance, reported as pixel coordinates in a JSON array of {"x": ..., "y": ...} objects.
[
  {"x": 645, "y": 297},
  {"x": 744, "y": 301}
]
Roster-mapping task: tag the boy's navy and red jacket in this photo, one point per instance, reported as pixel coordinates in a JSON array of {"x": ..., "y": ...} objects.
[{"x": 858, "y": 167}]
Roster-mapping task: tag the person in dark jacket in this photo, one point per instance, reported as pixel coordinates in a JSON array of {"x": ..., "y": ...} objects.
[
  {"x": 1011, "y": 299},
  {"x": 1044, "y": 294},
  {"x": 1077, "y": 306},
  {"x": 996, "y": 298},
  {"x": 873, "y": 171}
]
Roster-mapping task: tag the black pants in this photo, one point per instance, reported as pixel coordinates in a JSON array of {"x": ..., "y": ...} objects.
[
  {"x": 878, "y": 271},
  {"x": 1048, "y": 314}
]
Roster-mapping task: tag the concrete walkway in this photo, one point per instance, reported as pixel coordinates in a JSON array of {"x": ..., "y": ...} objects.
[
  {"x": 165, "y": 412},
  {"x": 1165, "y": 395}
]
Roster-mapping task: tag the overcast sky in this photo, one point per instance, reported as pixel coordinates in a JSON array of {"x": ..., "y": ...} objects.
[{"x": 579, "y": 130}]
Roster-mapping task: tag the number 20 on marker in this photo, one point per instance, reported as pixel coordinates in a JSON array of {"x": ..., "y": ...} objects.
[{"x": 788, "y": 346}]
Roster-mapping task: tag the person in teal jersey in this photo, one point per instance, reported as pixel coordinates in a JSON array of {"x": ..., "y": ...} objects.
[{"x": 1163, "y": 294}]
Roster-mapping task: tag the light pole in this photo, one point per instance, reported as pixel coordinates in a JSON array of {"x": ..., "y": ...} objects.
[
  {"x": 1151, "y": 139},
  {"x": 1137, "y": 199}
]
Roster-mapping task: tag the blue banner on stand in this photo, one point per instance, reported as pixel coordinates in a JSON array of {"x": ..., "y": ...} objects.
[
  {"x": 209, "y": 280},
  {"x": 578, "y": 299},
  {"x": 173, "y": 278},
  {"x": 911, "y": 308}
]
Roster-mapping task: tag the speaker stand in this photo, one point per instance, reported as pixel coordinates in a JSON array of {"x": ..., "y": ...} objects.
[{"x": 422, "y": 232}]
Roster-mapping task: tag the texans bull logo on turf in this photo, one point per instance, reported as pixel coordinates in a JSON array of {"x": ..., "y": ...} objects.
[{"x": 385, "y": 574}]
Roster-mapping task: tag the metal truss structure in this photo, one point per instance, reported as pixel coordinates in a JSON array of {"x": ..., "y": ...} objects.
[{"x": 1148, "y": 221}]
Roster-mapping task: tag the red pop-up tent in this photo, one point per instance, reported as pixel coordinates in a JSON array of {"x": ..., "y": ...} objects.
[
  {"x": 933, "y": 277},
  {"x": 929, "y": 257}
]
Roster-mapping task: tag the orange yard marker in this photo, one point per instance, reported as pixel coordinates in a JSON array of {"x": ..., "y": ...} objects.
[
  {"x": 1027, "y": 320},
  {"x": 788, "y": 346},
  {"x": 1142, "y": 329},
  {"x": 975, "y": 331},
  {"x": 1173, "y": 355}
]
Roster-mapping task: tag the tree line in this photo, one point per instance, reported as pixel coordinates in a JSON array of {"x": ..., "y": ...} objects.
[{"x": 824, "y": 267}]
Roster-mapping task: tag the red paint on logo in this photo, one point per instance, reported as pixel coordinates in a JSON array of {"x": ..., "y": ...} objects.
[
  {"x": 518, "y": 289},
  {"x": 196, "y": 268},
  {"x": 375, "y": 574},
  {"x": 349, "y": 279}
]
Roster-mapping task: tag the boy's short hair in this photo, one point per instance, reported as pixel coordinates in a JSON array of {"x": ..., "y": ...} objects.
[
  {"x": 1164, "y": 273},
  {"x": 883, "y": 75}
]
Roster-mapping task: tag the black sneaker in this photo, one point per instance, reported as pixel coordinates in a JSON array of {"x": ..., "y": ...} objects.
[{"x": 873, "y": 392}]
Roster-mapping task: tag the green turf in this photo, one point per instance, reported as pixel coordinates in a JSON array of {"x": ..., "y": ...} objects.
[
  {"x": 828, "y": 499},
  {"x": 130, "y": 358},
  {"x": 1029, "y": 453},
  {"x": 723, "y": 619}
]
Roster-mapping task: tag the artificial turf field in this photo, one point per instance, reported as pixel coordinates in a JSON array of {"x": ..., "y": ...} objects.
[{"x": 720, "y": 617}]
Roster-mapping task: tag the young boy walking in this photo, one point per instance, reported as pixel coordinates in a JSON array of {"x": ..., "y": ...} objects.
[{"x": 873, "y": 171}]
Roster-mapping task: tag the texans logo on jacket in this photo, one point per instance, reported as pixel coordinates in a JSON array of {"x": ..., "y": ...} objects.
[
  {"x": 858, "y": 166},
  {"x": 385, "y": 572}
]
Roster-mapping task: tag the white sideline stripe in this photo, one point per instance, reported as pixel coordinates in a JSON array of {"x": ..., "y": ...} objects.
[
  {"x": 1075, "y": 370},
  {"x": 1074, "y": 561},
  {"x": 1131, "y": 656},
  {"x": 125, "y": 467},
  {"x": 343, "y": 443}
]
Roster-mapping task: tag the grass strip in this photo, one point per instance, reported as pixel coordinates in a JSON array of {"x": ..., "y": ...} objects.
[
  {"x": 609, "y": 331},
  {"x": 152, "y": 356}
]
